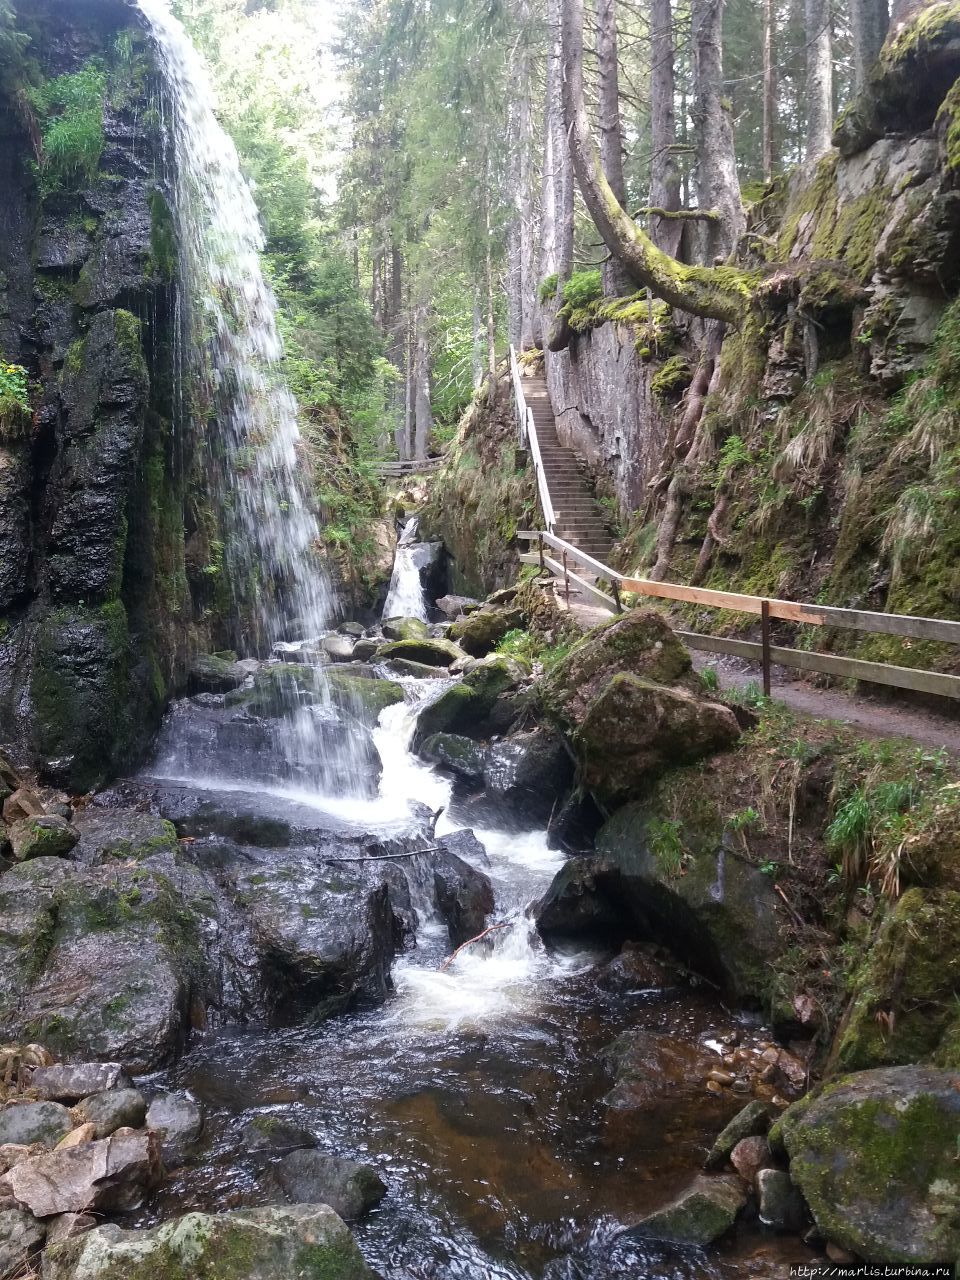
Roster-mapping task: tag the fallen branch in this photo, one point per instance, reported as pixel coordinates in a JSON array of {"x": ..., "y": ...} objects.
[
  {"x": 385, "y": 857},
  {"x": 677, "y": 215},
  {"x": 506, "y": 924},
  {"x": 798, "y": 918}
]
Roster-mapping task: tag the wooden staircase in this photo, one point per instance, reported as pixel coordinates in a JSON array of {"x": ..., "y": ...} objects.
[{"x": 579, "y": 517}]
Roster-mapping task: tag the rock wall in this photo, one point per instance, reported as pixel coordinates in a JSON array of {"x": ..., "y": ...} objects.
[
  {"x": 600, "y": 388},
  {"x": 97, "y": 505}
]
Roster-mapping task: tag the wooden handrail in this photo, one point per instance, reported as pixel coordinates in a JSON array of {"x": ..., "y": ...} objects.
[
  {"x": 527, "y": 431},
  {"x": 896, "y": 624}
]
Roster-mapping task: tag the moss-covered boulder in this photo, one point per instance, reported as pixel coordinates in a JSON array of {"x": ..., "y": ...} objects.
[
  {"x": 904, "y": 1007},
  {"x": 629, "y": 700},
  {"x": 304, "y": 1240},
  {"x": 44, "y": 836},
  {"x": 432, "y": 653},
  {"x": 694, "y": 892},
  {"x": 215, "y": 673},
  {"x": 280, "y": 688},
  {"x": 363, "y": 696},
  {"x": 405, "y": 629},
  {"x": 479, "y": 633},
  {"x": 702, "y": 1213},
  {"x": 931, "y": 854},
  {"x": 465, "y": 706},
  {"x": 875, "y": 1156}
]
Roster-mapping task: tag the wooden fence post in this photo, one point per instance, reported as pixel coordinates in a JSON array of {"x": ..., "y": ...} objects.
[{"x": 765, "y": 641}]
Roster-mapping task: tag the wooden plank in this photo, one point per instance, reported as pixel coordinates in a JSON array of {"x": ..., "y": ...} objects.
[{"x": 934, "y": 682}]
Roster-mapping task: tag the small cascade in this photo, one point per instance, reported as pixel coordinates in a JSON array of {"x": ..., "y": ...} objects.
[
  {"x": 231, "y": 358},
  {"x": 405, "y": 598}
]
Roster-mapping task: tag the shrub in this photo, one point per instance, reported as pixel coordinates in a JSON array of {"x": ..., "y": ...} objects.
[{"x": 70, "y": 109}]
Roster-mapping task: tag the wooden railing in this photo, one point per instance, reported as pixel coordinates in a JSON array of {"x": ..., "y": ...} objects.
[
  {"x": 762, "y": 651},
  {"x": 527, "y": 433}
]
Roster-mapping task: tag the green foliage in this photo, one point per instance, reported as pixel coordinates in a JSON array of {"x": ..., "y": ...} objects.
[
  {"x": 70, "y": 110},
  {"x": 548, "y": 288},
  {"x": 711, "y": 679},
  {"x": 663, "y": 838},
  {"x": 14, "y": 401}
]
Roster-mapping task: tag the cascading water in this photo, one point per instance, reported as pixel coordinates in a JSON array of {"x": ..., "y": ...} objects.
[
  {"x": 233, "y": 354},
  {"x": 405, "y": 597}
]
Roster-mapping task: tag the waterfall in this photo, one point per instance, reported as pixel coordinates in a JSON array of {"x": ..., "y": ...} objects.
[
  {"x": 405, "y": 597},
  {"x": 239, "y": 400}
]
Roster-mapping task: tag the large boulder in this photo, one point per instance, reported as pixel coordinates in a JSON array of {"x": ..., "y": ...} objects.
[
  {"x": 363, "y": 696},
  {"x": 405, "y": 629},
  {"x": 27, "y": 1122},
  {"x": 275, "y": 1243},
  {"x": 111, "y": 1110},
  {"x": 431, "y": 653},
  {"x": 904, "y": 1007},
  {"x": 875, "y": 1156},
  {"x": 464, "y": 896},
  {"x": 120, "y": 833},
  {"x": 44, "y": 836},
  {"x": 178, "y": 1119},
  {"x": 69, "y": 1082},
  {"x": 461, "y": 755},
  {"x": 314, "y": 1177},
  {"x": 466, "y": 707},
  {"x": 216, "y": 673},
  {"x": 114, "y": 1173},
  {"x": 629, "y": 699},
  {"x": 528, "y": 774},
  {"x": 481, "y": 631},
  {"x": 21, "y": 1235}
]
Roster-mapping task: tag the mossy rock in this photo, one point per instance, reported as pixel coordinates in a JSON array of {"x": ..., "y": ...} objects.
[
  {"x": 363, "y": 696},
  {"x": 904, "y": 1006},
  {"x": 639, "y": 642},
  {"x": 43, "y": 836},
  {"x": 216, "y": 673},
  {"x": 274, "y": 1243},
  {"x": 280, "y": 688},
  {"x": 875, "y": 1156},
  {"x": 634, "y": 729},
  {"x": 432, "y": 653},
  {"x": 702, "y": 1213},
  {"x": 463, "y": 707},
  {"x": 405, "y": 629},
  {"x": 481, "y": 632},
  {"x": 452, "y": 751}
]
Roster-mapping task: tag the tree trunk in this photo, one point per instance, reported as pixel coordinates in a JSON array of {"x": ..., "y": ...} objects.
[
  {"x": 664, "y": 170},
  {"x": 769, "y": 90},
  {"x": 615, "y": 278},
  {"x": 529, "y": 306},
  {"x": 514, "y": 292},
  {"x": 819, "y": 91},
  {"x": 701, "y": 291},
  {"x": 478, "y": 339},
  {"x": 869, "y": 20},
  {"x": 488, "y": 276},
  {"x": 717, "y": 184},
  {"x": 423, "y": 414}
]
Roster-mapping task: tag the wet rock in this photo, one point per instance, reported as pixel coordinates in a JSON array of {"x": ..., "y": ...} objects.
[
  {"x": 465, "y": 708},
  {"x": 405, "y": 629},
  {"x": 354, "y": 629},
  {"x": 22, "y": 803},
  {"x": 465, "y": 845},
  {"x": 337, "y": 648},
  {"x": 649, "y": 1068},
  {"x": 874, "y": 1155},
  {"x": 464, "y": 896},
  {"x": 699, "y": 1215},
  {"x": 313, "y": 1177},
  {"x": 453, "y": 606},
  {"x": 112, "y": 1174},
  {"x": 637, "y": 967},
  {"x": 462, "y": 756},
  {"x": 113, "y": 1109},
  {"x": 363, "y": 697},
  {"x": 83, "y": 1133},
  {"x": 274, "y": 1243},
  {"x": 577, "y": 903},
  {"x": 749, "y": 1156},
  {"x": 121, "y": 834},
  {"x": 365, "y": 649},
  {"x": 418, "y": 670},
  {"x": 431, "y": 653},
  {"x": 24, "y": 1123},
  {"x": 483, "y": 629},
  {"x": 178, "y": 1120},
  {"x": 271, "y": 1132},
  {"x": 211, "y": 673},
  {"x": 46, "y": 836},
  {"x": 528, "y": 774},
  {"x": 781, "y": 1205},
  {"x": 21, "y": 1236},
  {"x": 68, "y": 1082},
  {"x": 752, "y": 1121}
]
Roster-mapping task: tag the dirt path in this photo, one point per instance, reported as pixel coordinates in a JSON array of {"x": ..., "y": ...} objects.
[{"x": 873, "y": 715}]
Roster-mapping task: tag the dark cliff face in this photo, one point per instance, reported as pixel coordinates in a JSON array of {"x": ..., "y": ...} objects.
[{"x": 97, "y": 617}]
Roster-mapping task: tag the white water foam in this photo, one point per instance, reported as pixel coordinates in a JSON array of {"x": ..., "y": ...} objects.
[{"x": 405, "y": 598}]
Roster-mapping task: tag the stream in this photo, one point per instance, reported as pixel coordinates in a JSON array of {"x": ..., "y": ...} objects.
[{"x": 477, "y": 1089}]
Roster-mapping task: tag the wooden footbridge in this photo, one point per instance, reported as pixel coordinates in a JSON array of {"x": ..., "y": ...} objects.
[{"x": 571, "y": 545}]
